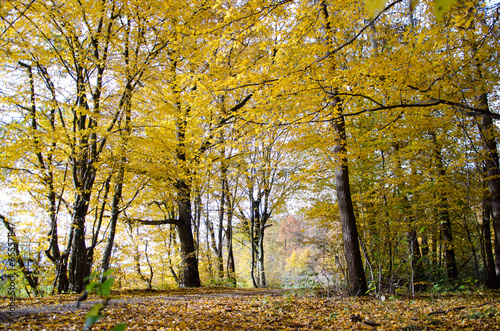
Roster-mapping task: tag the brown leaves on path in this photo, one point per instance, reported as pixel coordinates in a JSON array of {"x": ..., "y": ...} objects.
[{"x": 248, "y": 309}]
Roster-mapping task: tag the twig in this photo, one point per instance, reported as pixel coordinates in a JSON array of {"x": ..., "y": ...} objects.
[
  {"x": 459, "y": 308},
  {"x": 358, "y": 318}
]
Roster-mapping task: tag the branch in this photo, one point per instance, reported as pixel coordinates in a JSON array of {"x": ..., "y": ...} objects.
[
  {"x": 356, "y": 36},
  {"x": 152, "y": 222},
  {"x": 239, "y": 105},
  {"x": 463, "y": 108},
  {"x": 438, "y": 312},
  {"x": 358, "y": 318},
  {"x": 208, "y": 142},
  {"x": 18, "y": 17}
]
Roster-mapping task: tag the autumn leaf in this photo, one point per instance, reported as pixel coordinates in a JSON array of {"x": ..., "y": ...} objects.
[
  {"x": 441, "y": 7},
  {"x": 265, "y": 309},
  {"x": 374, "y": 6}
]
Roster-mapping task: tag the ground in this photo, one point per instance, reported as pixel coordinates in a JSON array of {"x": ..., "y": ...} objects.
[{"x": 250, "y": 309}]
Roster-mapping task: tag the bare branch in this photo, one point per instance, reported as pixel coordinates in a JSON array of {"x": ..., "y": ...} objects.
[{"x": 152, "y": 222}]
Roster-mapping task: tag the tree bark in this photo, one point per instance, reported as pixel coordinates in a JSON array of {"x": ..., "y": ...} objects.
[
  {"x": 356, "y": 273},
  {"x": 231, "y": 272},
  {"x": 32, "y": 279},
  {"x": 416, "y": 261},
  {"x": 492, "y": 173},
  {"x": 488, "y": 259},
  {"x": 253, "y": 242},
  {"x": 220, "y": 234},
  {"x": 190, "y": 274},
  {"x": 78, "y": 267},
  {"x": 115, "y": 212},
  {"x": 497, "y": 260},
  {"x": 260, "y": 259}
]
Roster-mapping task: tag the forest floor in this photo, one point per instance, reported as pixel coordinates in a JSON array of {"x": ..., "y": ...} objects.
[{"x": 258, "y": 309}]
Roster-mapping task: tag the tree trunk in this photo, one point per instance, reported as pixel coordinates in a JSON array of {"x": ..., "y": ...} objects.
[
  {"x": 444, "y": 216},
  {"x": 260, "y": 259},
  {"x": 45, "y": 164},
  {"x": 231, "y": 273},
  {"x": 487, "y": 248},
  {"x": 253, "y": 242},
  {"x": 115, "y": 212},
  {"x": 62, "y": 281},
  {"x": 356, "y": 273},
  {"x": 190, "y": 275},
  {"x": 449, "y": 251},
  {"x": 78, "y": 267},
  {"x": 220, "y": 234},
  {"x": 31, "y": 278},
  {"x": 492, "y": 171},
  {"x": 497, "y": 260},
  {"x": 416, "y": 261},
  {"x": 489, "y": 265}
]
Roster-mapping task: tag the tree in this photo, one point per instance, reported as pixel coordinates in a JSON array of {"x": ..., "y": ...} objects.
[
  {"x": 80, "y": 42},
  {"x": 154, "y": 113},
  {"x": 357, "y": 279},
  {"x": 30, "y": 277},
  {"x": 271, "y": 172}
]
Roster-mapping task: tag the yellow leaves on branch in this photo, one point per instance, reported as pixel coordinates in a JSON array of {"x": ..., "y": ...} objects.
[
  {"x": 440, "y": 6},
  {"x": 373, "y": 6}
]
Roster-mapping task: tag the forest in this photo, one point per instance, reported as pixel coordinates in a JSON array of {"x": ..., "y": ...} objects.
[{"x": 341, "y": 146}]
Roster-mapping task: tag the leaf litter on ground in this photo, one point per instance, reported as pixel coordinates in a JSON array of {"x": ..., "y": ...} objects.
[{"x": 258, "y": 309}]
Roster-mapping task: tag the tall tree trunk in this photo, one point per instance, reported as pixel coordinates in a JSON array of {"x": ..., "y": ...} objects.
[
  {"x": 355, "y": 271},
  {"x": 214, "y": 245},
  {"x": 253, "y": 241},
  {"x": 492, "y": 171},
  {"x": 45, "y": 165},
  {"x": 220, "y": 234},
  {"x": 488, "y": 259},
  {"x": 411, "y": 234},
  {"x": 231, "y": 270},
  {"x": 115, "y": 212}
]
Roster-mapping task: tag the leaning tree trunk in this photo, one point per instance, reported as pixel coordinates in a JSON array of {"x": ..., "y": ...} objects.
[
  {"x": 32, "y": 279},
  {"x": 356, "y": 273},
  {"x": 115, "y": 212}
]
